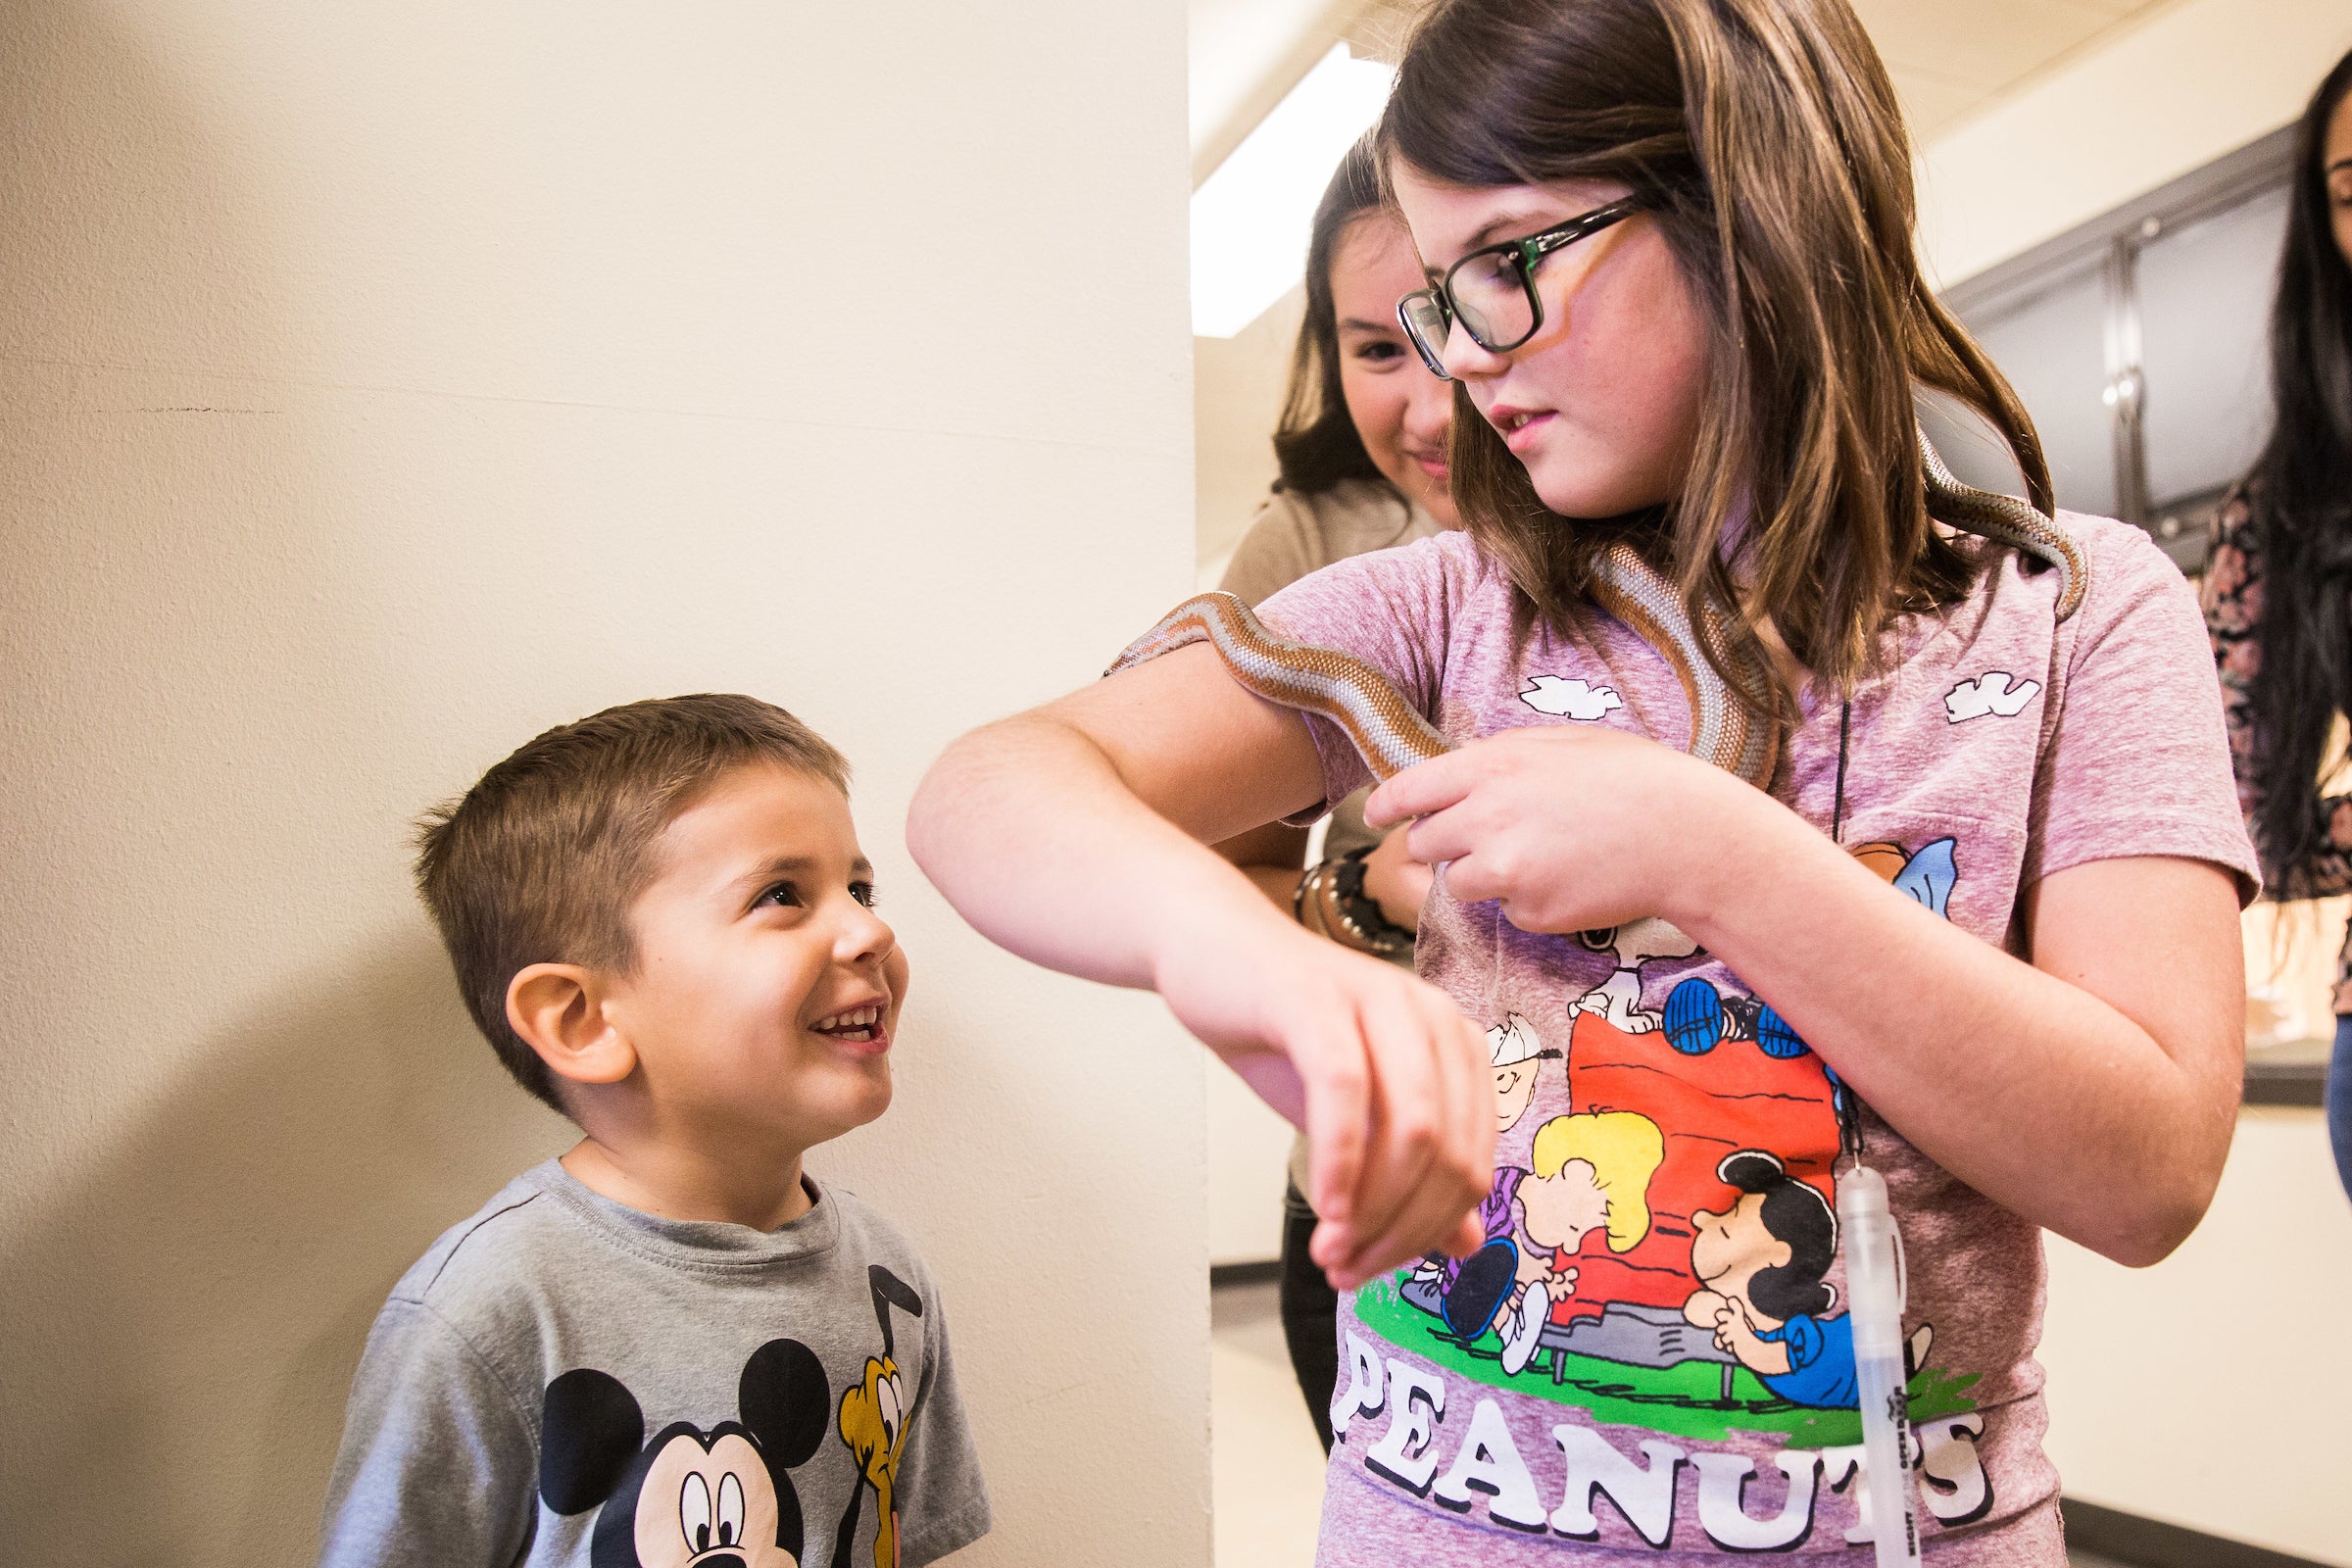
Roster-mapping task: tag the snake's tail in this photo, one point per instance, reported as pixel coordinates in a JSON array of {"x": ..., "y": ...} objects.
[
  {"x": 1387, "y": 730},
  {"x": 1724, "y": 730},
  {"x": 2008, "y": 520}
]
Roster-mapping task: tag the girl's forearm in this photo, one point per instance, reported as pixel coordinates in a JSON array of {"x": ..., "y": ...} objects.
[
  {"x": 1029, "y": 831},
  {"x": 2029, "y": 1088}
]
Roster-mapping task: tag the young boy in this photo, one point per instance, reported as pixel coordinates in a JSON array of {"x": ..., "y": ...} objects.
[{"x": 669, "y": 1346}]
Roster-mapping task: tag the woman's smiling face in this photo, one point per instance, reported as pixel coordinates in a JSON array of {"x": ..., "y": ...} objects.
[
  {"x": 1603, "y": 403},
  {"x": 1401, "y": 412}
]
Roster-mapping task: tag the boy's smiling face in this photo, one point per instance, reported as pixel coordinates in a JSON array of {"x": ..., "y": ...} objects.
[{"x": 767, "y": 990}]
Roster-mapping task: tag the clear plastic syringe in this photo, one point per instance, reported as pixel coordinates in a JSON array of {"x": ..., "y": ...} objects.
[{"x": 1874, "y": 1287}]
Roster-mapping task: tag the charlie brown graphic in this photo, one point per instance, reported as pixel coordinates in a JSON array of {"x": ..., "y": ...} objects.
[{"x": 1516, "y": 1055}]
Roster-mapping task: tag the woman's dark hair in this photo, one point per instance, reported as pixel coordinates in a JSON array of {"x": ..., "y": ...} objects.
[
  {"x": 1798, "y": 1216},
  {"x": 1316, "y": 443},
  {"x": 1766, "y": 138},
  {"x": 2299, "y": 494}
]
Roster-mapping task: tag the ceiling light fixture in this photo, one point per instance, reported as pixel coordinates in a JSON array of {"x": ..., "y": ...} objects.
[{"x": 1251, "y": 217}]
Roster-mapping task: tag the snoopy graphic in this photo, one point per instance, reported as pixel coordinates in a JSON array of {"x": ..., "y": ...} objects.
[{"x": 1618, "y": 999}]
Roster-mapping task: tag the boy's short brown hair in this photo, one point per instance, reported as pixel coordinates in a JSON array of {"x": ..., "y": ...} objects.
[{"x": 542, "y": 859}]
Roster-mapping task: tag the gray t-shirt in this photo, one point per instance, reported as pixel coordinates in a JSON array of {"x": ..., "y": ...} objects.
[{"x": 562, "y": 1379}]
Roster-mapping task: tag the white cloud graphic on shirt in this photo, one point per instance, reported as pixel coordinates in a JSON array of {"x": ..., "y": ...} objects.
[
  {"x": 1989, "y": 693},
  {"x": 1569, "y": 698}
]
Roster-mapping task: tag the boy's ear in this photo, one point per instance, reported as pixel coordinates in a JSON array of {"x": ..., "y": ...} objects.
[{"x": 559, "y": 1010}]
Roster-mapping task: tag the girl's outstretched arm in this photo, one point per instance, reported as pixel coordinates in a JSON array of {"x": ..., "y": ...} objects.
[
  {"x": 2093, "y": 1089},
  {"x": 1076, "y": 836}
]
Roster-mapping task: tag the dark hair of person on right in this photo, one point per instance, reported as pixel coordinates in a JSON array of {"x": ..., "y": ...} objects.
[
  {"x": 1316, "y": 443},
  {"x": 2299, "y": 496}
]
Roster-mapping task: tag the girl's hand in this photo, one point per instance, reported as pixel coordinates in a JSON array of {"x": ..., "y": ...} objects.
[
  {"x": 1571, "y": 829},
  {"x": 1389, "y": 1079},
  {"x": 1396, "y": 882}
]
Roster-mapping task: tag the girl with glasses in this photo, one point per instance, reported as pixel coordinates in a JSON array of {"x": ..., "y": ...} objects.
[{"x": 1974, "y": 920}]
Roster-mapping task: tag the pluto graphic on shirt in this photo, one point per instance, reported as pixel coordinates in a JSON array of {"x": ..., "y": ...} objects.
[{"x": 1659, "y": 1255}]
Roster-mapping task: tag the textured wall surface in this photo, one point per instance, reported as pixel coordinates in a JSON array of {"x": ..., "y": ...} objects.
[
  {"x": 381, "y": 384},
  {"x": 2195, "y": 80}
]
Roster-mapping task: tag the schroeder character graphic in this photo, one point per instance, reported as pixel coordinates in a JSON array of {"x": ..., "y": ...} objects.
[{"x": 1588, "y": 1172}]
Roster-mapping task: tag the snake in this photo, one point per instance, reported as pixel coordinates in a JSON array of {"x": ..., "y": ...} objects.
[{"x": 1391, "y": 735}]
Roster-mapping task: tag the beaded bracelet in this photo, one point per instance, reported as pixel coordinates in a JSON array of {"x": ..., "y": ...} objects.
[{"x": 1360, "y": 910}]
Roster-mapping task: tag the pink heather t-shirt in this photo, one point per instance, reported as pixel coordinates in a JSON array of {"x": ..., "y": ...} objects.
[{"x": 1663, "y": 1127}]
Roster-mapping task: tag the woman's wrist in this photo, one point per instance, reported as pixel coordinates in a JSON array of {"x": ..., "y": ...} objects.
[{"x": 1330, "y": 901}]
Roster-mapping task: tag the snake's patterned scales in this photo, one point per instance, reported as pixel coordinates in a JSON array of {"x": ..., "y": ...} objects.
[{"x": 1393, "y": 736}]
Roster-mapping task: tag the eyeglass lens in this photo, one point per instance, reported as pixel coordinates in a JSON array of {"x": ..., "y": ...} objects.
[
  {"x": 1490, "y": 294},
  {"x": 1425, "y": 324}
]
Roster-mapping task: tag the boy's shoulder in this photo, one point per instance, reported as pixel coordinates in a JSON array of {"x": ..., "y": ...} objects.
[
  {"x": 866, "y": 1232},
  {"x": 489, "y": 1269}
]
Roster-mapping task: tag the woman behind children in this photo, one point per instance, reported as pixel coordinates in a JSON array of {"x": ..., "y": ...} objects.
[
  {"x": 2277, "y": 591},
  {"x": 1701, "y": 332},
  {"x": 1362, "y": 454}
]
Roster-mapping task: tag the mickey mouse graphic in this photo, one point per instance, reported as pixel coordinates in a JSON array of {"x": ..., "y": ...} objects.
[{"x": 690, "y": 1499}]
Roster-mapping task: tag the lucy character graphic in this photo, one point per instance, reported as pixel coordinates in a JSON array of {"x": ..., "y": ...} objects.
[
  {"x": 873, "y": 1424},
  {"x": 1587, "y": 1173},
  {"x": 1760, "y": 1265},
  {"x": 721, "y": 1498}
]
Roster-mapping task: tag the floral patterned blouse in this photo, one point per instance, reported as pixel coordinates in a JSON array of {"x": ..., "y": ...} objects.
[{"x": 2232, "y": 598}]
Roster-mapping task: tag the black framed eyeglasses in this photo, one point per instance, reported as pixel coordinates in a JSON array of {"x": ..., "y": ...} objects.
[{"x": 1492, "y": 291}]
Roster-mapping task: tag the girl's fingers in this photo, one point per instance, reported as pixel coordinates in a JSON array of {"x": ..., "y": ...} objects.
[
  {"x": 1474, "y": 1118},
  {"x": 1433, "y": 1221},
  {"x": 1407, "y": 1117},
  {"x": 1471, "y": 879},
  {"x": 1421, "y": 789},
  {"x": 1445, "y": 835},
  {"x": 1467, "y": 1236},
  {"x": 1458, "y": 1170},
  {"x": 1339, "y": 1113}
]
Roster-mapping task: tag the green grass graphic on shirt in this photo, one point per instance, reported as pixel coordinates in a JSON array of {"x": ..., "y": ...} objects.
[{"x": 1684, "y": 1401}]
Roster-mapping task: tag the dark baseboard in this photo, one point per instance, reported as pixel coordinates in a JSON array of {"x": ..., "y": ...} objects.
[
  {"x": 1263, "y": 1271},
  {"x": 2151, "y": 1544}
]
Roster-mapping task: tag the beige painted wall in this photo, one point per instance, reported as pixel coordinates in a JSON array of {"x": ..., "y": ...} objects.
[
  {"x": 1237, "y": 386},
  {"x": 379, "y": 385},
  {"x": 2193, "y": 81}
]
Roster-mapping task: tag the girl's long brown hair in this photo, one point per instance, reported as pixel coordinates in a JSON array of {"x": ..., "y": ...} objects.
[
  {"x": 1767, "y": 137},
  {"x": 1316, "y": 444}
]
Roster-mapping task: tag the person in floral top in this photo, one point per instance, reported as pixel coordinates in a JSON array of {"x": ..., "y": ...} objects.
[{"x": 2278, "y": 591}]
